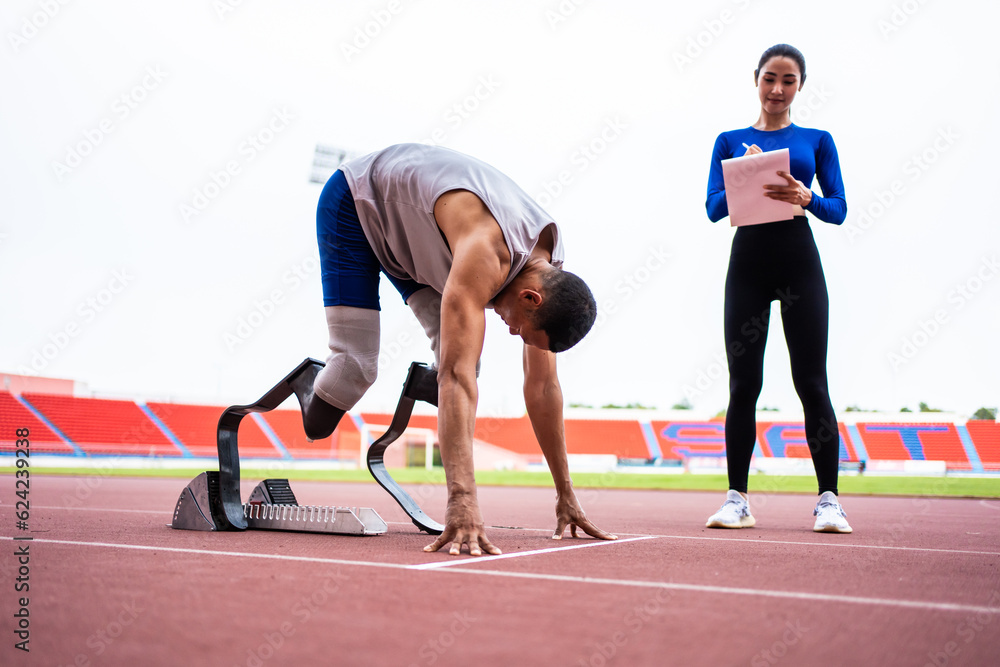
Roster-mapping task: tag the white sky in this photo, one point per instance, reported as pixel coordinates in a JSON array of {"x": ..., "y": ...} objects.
[{"x": 887, "y": 79}]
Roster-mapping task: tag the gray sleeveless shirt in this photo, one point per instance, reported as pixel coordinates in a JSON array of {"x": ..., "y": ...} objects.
[{"x": 395, "y": 190}]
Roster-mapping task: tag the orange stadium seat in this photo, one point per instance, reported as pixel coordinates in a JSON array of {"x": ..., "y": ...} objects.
[
  {"x": 196, "y": 427},
  {"x": 986, "y": 435},
  {"x": 592, "y": 436},
  {"x": 287, "y": 425},
  {"x": 514, "y": 434},
  {"x": 902, "y": 442},
  {"x": 14, "y": 416},
  {"x": 622, "y": 438},
  {"x": 100, "y": 426}
]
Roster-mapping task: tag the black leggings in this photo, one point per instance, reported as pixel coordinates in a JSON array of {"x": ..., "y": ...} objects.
[{"x": 778, "y": 261}]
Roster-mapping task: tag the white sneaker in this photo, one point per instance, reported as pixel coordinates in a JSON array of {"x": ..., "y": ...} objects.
[
  {"x": 734, "y": 513},
  {"x": 830, "y": 516}
]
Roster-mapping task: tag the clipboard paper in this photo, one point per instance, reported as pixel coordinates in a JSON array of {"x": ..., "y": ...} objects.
[{"x": 745, "y": 178}]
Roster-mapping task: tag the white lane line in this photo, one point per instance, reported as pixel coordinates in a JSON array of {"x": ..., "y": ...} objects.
[
  {"x": 746, "y": 540},
  {"x": 728, "y": 590},
  {"x": 697, "y": 588},
  {"x": 212, "y": 552},
  {"x": 101, "y": 509},
  {"x": 825, "y": 544},
  {"x": 516, "y": 554}
]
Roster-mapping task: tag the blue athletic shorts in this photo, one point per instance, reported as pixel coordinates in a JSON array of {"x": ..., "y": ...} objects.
[{"x": 350, "y": 269}]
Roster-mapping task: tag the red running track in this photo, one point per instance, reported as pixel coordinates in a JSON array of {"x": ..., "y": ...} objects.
[{"x": 917, "y": 583}]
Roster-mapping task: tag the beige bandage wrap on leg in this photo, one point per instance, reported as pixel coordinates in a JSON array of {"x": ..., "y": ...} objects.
[
  {"x": 426, "y": 305},
  {"x": 352, "y": 366}
]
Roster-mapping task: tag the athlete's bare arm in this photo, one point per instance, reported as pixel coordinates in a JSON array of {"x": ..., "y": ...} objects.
[
  {"x": 479, "y": 267},
  {"x": 544, "y": 401}
]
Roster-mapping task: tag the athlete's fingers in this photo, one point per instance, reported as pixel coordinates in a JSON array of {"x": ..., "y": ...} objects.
[
  {"x": 488, "y": 547},
  {"x": 443, "y": 539},
  {"x": 594, "y": 531}
]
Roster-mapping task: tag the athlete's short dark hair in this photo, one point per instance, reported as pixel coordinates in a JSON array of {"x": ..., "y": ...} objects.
[
  {"x": 568, "y": 310},
  {"x": 783, "y": 51}
]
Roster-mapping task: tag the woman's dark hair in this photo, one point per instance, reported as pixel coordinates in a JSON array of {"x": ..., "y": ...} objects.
[{"x": 783, "y": 51}]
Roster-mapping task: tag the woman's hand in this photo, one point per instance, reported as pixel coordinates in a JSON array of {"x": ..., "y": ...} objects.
[
  {"x": 753, "y": 150},
  {"x": 794, "y": 193}
]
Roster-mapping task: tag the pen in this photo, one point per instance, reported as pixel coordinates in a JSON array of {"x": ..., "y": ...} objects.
[{"x": 745, "y": 145}]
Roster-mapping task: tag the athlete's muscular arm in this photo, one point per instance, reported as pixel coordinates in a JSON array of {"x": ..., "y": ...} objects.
[
  {"x": 544, "y": 401},
  {"x": 479, "y": 267}
]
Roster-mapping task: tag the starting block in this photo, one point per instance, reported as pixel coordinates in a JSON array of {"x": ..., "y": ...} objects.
[
  {"x": 272, "y": 506},
  {"x": 211, "y": 501}
]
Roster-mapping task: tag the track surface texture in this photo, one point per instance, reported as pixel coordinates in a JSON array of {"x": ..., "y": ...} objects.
[{"x": 917, "y": 583}]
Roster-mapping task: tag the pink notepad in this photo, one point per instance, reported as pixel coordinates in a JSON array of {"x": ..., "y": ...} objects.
[{"x": 745, "y": 178}]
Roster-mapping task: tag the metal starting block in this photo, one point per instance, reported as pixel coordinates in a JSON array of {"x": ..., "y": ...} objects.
[
  {"x": 272, "y": 506},
  {"x": 306, "y": 519},
  {"x": 211, "y": 501}
]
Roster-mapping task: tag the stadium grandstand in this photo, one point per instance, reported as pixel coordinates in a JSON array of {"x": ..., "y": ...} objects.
[{"x": 72, "y": 428}]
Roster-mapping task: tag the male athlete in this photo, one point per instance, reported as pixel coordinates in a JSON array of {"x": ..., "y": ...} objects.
[{"x": 455, "y": 237}]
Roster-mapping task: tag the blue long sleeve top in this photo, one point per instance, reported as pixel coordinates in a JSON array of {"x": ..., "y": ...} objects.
[{"x": 811, "y": 153}]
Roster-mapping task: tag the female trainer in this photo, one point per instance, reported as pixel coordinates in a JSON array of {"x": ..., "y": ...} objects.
[{"x": 779, "y": 261}]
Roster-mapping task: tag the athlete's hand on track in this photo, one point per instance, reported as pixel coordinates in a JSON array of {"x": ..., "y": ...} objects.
[
  {"x": 464, "y": 526},
  {"x": 569, "y": 513},
  {"x": 793, "y": 193}
]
